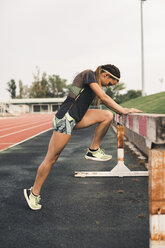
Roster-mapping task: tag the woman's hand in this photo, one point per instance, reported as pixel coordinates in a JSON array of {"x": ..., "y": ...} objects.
[{"x": 131, "y": 110}]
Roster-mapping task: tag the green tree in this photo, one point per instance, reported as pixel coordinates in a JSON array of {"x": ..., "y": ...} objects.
[
  {"x": 12, "y": 88},
  {"x": 26, "y": 91},
  {"x": 47, "y": 86},
  {"x": 21, "y": 88},
  {"x": 35, "y": 89},
  {"x": 40, "y": 86},
  {"x": 57, "y": 86},
  {"x": 114, "y": 91},
  {"x": 131, "y": 94}
]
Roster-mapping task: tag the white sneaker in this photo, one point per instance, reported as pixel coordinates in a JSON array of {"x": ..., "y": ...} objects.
[
  {"x": 32, "y": 200},
  {"x": 98, "y": 155}
]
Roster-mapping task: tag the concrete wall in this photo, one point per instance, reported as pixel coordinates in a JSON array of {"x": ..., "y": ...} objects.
[{"x": 145, "y": 131}]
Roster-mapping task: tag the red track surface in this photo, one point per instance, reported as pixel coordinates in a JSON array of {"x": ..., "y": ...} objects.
[{"x": 17, "y": 129}]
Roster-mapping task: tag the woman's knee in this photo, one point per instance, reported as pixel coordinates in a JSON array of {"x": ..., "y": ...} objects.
[
  {"x": 108, "y": 116},
  {"x": 51, "y": 160}
]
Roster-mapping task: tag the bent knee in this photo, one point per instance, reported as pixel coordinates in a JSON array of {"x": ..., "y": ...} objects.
[{"x": 108, "y": 116}]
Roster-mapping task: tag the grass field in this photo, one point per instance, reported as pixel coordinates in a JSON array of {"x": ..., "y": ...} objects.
[{"x": 149, "y": 104}]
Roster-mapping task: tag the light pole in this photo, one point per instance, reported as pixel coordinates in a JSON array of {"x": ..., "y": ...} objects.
[{"x": 142, "y": 50}]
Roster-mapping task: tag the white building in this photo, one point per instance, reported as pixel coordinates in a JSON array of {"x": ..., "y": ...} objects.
[{"x": 32, "y": 105}]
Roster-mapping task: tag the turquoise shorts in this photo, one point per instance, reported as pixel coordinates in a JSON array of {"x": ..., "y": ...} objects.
[{"x": 64, "y": 125}]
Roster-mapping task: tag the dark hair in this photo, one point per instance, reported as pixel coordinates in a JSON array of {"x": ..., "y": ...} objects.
[{"x": 112, "y": 69}]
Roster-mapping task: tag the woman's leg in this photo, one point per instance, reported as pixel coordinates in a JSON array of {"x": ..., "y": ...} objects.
[
  {"x": 57, "y": 143},
  {"x": 59, "y": 140},
  {"x": 94, "y": 116}
]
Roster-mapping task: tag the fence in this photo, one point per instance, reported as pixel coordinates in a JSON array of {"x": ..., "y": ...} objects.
[{"x": 147, "y": 132}]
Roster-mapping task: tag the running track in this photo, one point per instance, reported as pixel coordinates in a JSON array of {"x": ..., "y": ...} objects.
[{"x": 16, "y": 130}]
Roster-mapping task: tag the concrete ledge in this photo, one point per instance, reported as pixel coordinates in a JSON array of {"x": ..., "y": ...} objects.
[
  {"x": 145, "y": 131},
  {"x": 136, "y": 139}
]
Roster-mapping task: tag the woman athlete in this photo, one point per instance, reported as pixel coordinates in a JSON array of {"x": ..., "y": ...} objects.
[{"x": 74, "y": 114}]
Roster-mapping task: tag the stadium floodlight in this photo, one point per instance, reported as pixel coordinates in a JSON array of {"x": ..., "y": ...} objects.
[{"x": 142, "y": 50}]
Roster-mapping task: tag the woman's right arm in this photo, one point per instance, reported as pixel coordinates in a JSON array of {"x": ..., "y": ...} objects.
[{"x": 110, "y": 103}]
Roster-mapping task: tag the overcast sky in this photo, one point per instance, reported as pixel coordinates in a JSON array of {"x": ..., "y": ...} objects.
[{"x": 65, "y": 37}]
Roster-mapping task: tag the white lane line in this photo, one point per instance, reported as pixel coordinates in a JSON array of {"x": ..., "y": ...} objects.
[
  {"x": 24, "y": 130},
  {"x": 26, "y": 124},
  {"x": 25, "y": 140},
  {"x": 25, "y": 120}
]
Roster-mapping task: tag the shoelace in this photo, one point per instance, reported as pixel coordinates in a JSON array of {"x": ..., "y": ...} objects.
[
  {"x": 37, "y": 199},
  {"x": 101, "y": 151}
]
